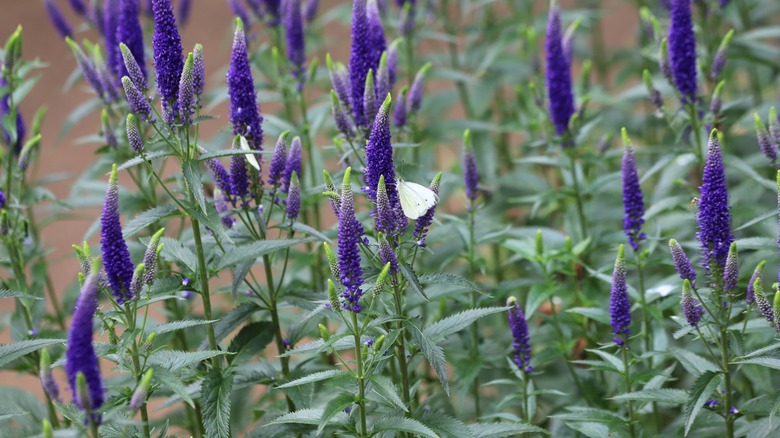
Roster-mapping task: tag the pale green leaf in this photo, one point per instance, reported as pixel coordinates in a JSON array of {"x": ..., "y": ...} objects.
[{"x": 215, "y": 398}]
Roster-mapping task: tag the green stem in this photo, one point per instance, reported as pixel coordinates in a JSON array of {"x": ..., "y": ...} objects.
[
  {"x": 627, "y": 375},
  {"x": 360, "y": 376},
  {"x": 724, "y": 350},
  {"x": 577, "y": 195},
  {"x": 401, "y": 347},
  {"x": 204, "y": 289},
  {"x": 474, "y": 297},
  {"x": 94, "y": 426}
]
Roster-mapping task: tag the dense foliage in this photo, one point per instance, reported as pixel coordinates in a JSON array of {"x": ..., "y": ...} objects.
[{"x": 484, "y": 222}]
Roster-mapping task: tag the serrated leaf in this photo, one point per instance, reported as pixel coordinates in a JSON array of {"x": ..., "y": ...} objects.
[
  {"x": 665, "y": 395},
  {"x": 174, "y": 383},
  {"x": 447, "y": 426},
  {"x": 411, "y": 277},
  {"x": 5, "y": 293},
  {"x": 251, "y": 340},
  {"x": 402, "y": 424},
  {"x": 761, "y": 351},
  {"x": 239, "y": 273},
  {"x": 439, "y": 330},
  {"x": 596, "y": 314},
  {"x": 446, "y": 278},
  {"x": 307, "y": 416},
  {"x": 496, "y": 430},
  {"x": 254, "y": 250},
  {"x": 139, "y": 159},
  {"x": 387, "y": 391},
  {"x": 193, "y": 176},
  {"x": 178, "y": 325},
  {"x": 764, "y": 361},
  {"x": 692, "y": 362},
  {"x": 334, "y": 407},
  {"x": 174, "y": 360},
  {"x": 176, "y": 251},
  {"x": 147, "y": 218},
  {"x": 700, "y": 392},
  {"x": 230, "y": 152},
  {"x": 433, "y": 353},
  {"x": 297, "y": 226},
  {"x": 614, "y": 362},
  {"x": 230, "y": 322},
  {"x": 215, "y": 398},
  {"x": 314, "y": 377},
  {"x": 15, "y": 350},
  {"x": 344, "y": 342}
]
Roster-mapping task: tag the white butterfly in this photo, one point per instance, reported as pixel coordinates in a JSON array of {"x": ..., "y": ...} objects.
[
  {"x": 249, "y": 157},
  {"x": 415, "y": 199}
]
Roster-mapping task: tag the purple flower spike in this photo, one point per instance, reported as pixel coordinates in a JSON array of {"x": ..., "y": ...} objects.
[
  {"x": 619, "y": 306},
  {"x": 691, "y": 307},
  {"x": 349, "y": 233},
  {"x": 219, "y": 175},
  {"x": 521, "y": 339},
  {"x": 681, "y": 263},
  {"x": 383, "y": 78},
  {"x": 340, "y": 116},
  {"x": 198, "y": 72},
  {"x": 731, "y": 270},
  {"x": 339, "y": 79},
  {"x": 376, "y": 35},
  {"x": 764, "y": 141},
  {"x": 168, "y": 61},
  {"x": 750, "y": 295},
  {"x": 385, "y": 216},
  {"x": 682, "y": 49},
  {"x": 87, "y": 68},
  {"x": 5, "y": 108},
  {"x": 359, "y": 60},
  {"x": 633, "y": 200},
  {"x": 57, "y": 19},
  {"x": 425, "y": 221},
  {"x": 278, "y": 161},
  {"x": 133, "y": 69},
  {"x": 134, "y": 134},
  {"x": 222, "y": 207},
  {"x": 387, "y": 254},
  {"x": 762, "y": 303},
  {"x": 719, "y": 62},
  {"x": 150, "y": 257},
  {"x": 119, "y": 266},
  {"x": 714, "y": 217},
  {"x": 80, "y": 356},
  {"x": 110, "y": 21},
  {"x": 392, "y": 63},
  {"x": 238, "y": 10},
  {"x": 129, "y": 32},
  {"x": 78, "y": 6},
  {"x": 774, "y": 127},
  {"x": 558, "y": 75},
  {"x": 400, "y": 112},
  {"x": 48, "y": 383},
  {"x": 310, "y": 10},
  {"x": 186, "y": 93},
  {"x": 244, "y": 112},
  {"x": 296, "y": 49},
  {"x": 239, "y": 178},
  {"x": 470, "y": 170},
  {"x": 293, "y": 198},
  {"x": 778, "y": 206},
  {"x": 417, "y": 89},
  {"x": 293, "y": 164},
  {"x": 184, "y": 11},
  {"x": 136, "y": 100}
]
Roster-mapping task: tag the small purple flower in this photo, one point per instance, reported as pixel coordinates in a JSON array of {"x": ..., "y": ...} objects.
[
  {"x": 732, "y": 410},
  {"x": 2, "y": 199},
  {"x": 417, "y": 90},
  {"x": 293, "y": 164},
  {"x": 239, "y": 178},
  {"x": 48, "y": 383},
  {"x": 293, "y": 198},
  {"x": 731, "y": 270},
  {"x": 719, "y": 61},
  {"x": 187, "y": 294},
  {"x": 385, "y": 216},
  {"x": 400, "y": 112},
  {"x": 133, "y": 69},
  {"x": 186, "y": 101},
  {"x": 633, "y": 199},
  {"x": 219, "y": 174},
  {"x": 88, "y": 69},
  {"x": 222, "y": 207},
  {"x": 136, "y": 100},
  {"x": 186, "y": 281},
  {"x": 134, "y": 138},
  {"x": 425, "y": 221},
  {"x": 168, "y": 61},
  {"x": 150, "y": 257},
  {"x": 691, "y": 307},
  {"x": 80, "y": 356},
  {"x": 712, "y": 403},
  {"x": 359, "y": 60},
  {"x": 349, "y": 237},
  {"x": 119, "y": 267},
  {"x": 470, "y": 170},
  {"x": 762, "y": 303},
  {"x": 244, "y": 112},
  {"x": 57, "y": 19},
  {"x": 110, "y": 23},
  {"x": 558, "y": 75},
  {"x": 198, "y": 72},
  {"x": 681, "y": 263},
  {"x": 376, "y": 36},
  {"x": 764, "y": 141},
  {"x": 278, "y": 161},
  {"x": 387, "y": 254},
  {"x": 682, "y": 49},
  {"x": 521, "y": 339},
  {"x": 339, "y": 79},
  {"x": 714, "y": 217},
  {"x": 129, "y": 32},
  {"x": 619, "y": 305},
  {"x": 340, "y": 116},
  {"x": 296, "y": 49},
  {"x": 750, "y": 295}
]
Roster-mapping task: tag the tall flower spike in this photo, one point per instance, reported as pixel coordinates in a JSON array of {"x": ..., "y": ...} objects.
[
  {"x": 619, "y": 306},
  {"x": 107, "y": 80},
  {"x": 119, "y": 266},
  {"x": 750, "y": 294},
  {"x": 296, "y": 49},
  {"x": 110, "y": 19},
  {"x": 425, "y": 221},
  {"x": 359, "y": 60},
  {"x": 278, "y": 161},
  {"x": 108, "y": 131},
  {"x": 417, "y": 89},
  {"x": 376, "y": 35},
  {"x": 719, "y": 61},
  {"x": 335, "y": 201},
  {"x": 138, "y": 280},
  {"x": 48, "y": 383},
  {"x": 682, "y": 50},
  {"x": 387, "y": 254},
  {"x": 369, "y": 97},
  {"x": 714, "y": 217},
  {"x": 293, "y": 198},
  {"x": 57, "y": 19},
  {"x": 340, "y": 116},
  {"x": 776, "y": 308},
  {"x": 187, "y": 93},
  {"x": 310, "y": 10},
  {"x": 400, "y": 113},
  {"x": 238, "y": 10},
  {"x": 349, "y": 235},
  {"x": 717, "y": 101},
  {"x": 731, "y": 270},
  {"x": 133, "y": 69},
  {"x": 184, "y": 11},
  {"x": 382, "y": 77},
  {"x": 244, "y": 112},
  {"x": 87, "y": 68},
  {"x": 198, "y": 72},
  {"x": 5, "y": 108},
  {"x": 129, "y": 32},
  {"x": 293, "y": 164},
  {"x": 133, "y": 134},
  {"x": 633, "y": 200},
  {"x": 762, "y": 303},
  {"x": 78, "y": 6},
  {"x": 681, "y": 263},
  {"x": 392, "y": 62},
  {"x": 168, "y": 61},
  {"x": 764, "y": 141},
  {"x": 150, "y": 257},
  {"x": 239, "y": 178},
  {"x": 778, "y": 207},
  {"x": 136, "y": 100},
  {"x": 664, "y": 64},
  {"x": 774, "y": 127},
  {"x": 385, "y": 216},
  {"x": 558, "y": 75},
  {"x": 219, "y": 174},
  {"x": 339, "y": 80},
  {"x": 520, "y": 337},
  {"x": 470, "y": 170},
  {"x": 691, "y": 307},
  {"x": 80, "y": 357}
]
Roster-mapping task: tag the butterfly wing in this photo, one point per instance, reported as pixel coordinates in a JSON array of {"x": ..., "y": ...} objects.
[
  {"x": 249, "y": 157},
  {"x": 415, "y": 199}
]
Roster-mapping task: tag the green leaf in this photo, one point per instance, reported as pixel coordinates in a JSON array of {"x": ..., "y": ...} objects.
[
  {"x": 496, "y": 430},
  {"x": 700, "y": 392},
  {"x": 761, "y": 351},
  {"x": 7, "y": 414},
  {"x": 666, "y": 395},
  {"x": 337, "y": 343},
  {"x": 315, "y": 377},
  {"x": 5, "y": 293},
  {"x": 447, "y": 426},
  {"x": 610, "y": 359},
  {"x": 594, "y": 313},
  {"x": 139, "y": 159},
  {"x": 439, "y": 330},
  {"x": 13, "y": 351},
  {"x": 193, "y": 176},
  {"x": 307, "y": 416},
  {"x": 147, "y": 218},
  {"x": 433, "y": 353},
  {"x": 411, "y": 277},
  {"x": 692, "y": 362},
  {"x": 215, "y": 397},
  {"x": 239, "y": 273},
  {"x": 334, "y": 407},
  {"x": 450, "y": 279},
  {"x": 297, "y": 226},
  {"x": 764, "y": 361},
  {"x": 230, "y": 322},
  {"x": 176, "y": 251},
  {"x": 402, "y": 424},
  {"x": 387, "y": 391},
  {"x": 178, "y": 325},
  {"x": 230, "y": 152},
  {"x": 254, "y": 250},
  {"x": 251, "y": 340},
  {"x": 172, "y": 382},
  {"x": 174, "y": 360}
]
